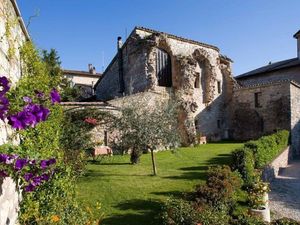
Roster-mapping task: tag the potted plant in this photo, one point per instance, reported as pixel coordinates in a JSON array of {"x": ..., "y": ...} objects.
[{"x": 258, "y": 200}]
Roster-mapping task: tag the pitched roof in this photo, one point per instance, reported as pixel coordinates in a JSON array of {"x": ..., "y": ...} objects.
[
  {"x": 297, "y": 34},
  {"x": 80, "y": 73},
  {"x": 178, "y": 38},
  {"x": 168, "y": 35},
  {"x": 272, "y": 67}
]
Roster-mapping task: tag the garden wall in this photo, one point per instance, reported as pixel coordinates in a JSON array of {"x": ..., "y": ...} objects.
[
  {"x": 9, "y": 66},
  {"x": 271, "y": 170}
]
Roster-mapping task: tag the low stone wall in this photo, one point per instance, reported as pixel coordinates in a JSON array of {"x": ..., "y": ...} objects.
[
  {"x": 9, "y": 202},
  {"x": 271, "y": 171}
]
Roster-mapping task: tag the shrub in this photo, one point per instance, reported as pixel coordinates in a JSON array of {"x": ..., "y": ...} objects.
[
  {"x": 220, "y": 187},
  {"x": 247, "y": 220},
  {"x": 243, "y": 162},
  {"x": 267, "y": 148},
  {"x": 210, "y": 216},
  {"x": 55, "y": 200},
  {"x": 285, "y": 221},
  {"x": 257, "y": 154},
  {"x": 178, "y": 212}
]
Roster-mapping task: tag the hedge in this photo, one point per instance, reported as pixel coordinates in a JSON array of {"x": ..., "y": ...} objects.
[{"x": 257, "y": 154}]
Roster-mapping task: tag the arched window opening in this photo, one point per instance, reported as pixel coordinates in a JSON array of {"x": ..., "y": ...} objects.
[{"x": 163, "y": 68}]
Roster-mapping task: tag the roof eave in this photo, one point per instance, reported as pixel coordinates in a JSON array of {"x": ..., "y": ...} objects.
[
  {"x": 297, "y": 34},
  {"x": 20, "y": 19}
]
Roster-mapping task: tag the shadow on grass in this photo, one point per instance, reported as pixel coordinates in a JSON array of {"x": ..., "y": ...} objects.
[
  {"x": 192, "y": 175},
  {"x": 220, "y": 159},
  {"x": 100, "y": 162},
  {"x": 175, "y": 194},
  {"x": 147, "y": 212},
  {"x": 199, "y": 172}
]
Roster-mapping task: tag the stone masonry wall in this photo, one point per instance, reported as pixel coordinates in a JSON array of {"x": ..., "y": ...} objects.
[
  {"x": 203, "y": 108},
  {"x": 295, "y": 118},
  {"x": 271, "y": 171},
  {"x": 251, "y": 122},
  {"x": 10, "y": 67}
]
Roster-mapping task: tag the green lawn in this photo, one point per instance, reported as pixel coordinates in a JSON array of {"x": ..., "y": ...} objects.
[{"x": 130, "y": 195}]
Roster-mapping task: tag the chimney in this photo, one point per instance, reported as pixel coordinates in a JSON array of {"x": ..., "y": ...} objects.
[
  {"x": 120, "y": 64},
  {"x": 120, "y": 43},
  {"x": 90, "y": 68},
  {"x": 297, "y": 36}
]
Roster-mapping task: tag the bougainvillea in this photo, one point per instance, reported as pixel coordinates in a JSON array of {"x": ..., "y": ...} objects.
[{"x": 91, "y": 121}]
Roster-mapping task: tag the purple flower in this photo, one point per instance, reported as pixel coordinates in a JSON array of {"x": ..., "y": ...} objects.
[
  {"x": 30, "y": 116},
  {"x": 27, "y": 99},
  {"x": 28, "y": 176},
  {"x": 17, "y": 121},
  {"x": 46, "y": 163},
  {"x": 3, "y": 158},
  {"x": 45, "y": 177},
  {"x": 20, "y": 163},
  {"x": 55, "y": 97},
  {"x": 3, "y": 173},
  {"x": 36, "y": 181},
  {"x": 52, "y": 161},
  {"x": 4, "y": 86},
  {"x": 39, "y": 94},
  {"x": 4, "y": 103},
  {"x": 29, "y": 188}
]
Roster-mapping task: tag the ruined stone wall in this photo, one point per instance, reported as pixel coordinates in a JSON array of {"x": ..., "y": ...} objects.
[
  {"x": 109, "y": 87},
  {"x": 250, "y": 121},
  {"x": 292, "y": 73},
  {"x": 295, "y": 118},
  {"x": 113, "y": 106},
  {"x": 12, "y": 36},
  {"x": 203, "y": 108}
]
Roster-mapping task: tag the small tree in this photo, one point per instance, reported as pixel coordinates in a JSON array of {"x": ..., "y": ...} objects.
[{"x": 147, "y": 125}]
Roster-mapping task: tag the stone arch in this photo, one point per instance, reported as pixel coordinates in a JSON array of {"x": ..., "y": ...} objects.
[{"x": 207, "y": 74}]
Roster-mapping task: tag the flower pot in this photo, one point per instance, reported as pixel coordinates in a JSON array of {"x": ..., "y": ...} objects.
[
  {"x": 266, "y": 199},
  {"x": 263, "y": 213}
]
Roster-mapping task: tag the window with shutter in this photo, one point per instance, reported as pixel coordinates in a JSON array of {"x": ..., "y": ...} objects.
[{"x": 163, "y": 68}]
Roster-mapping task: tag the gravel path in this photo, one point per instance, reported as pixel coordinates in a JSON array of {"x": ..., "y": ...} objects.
[{"x": 285, "y": 193}]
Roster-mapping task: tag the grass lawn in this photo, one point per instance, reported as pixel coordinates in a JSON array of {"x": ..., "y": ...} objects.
[{"x": 130, "y": 195}]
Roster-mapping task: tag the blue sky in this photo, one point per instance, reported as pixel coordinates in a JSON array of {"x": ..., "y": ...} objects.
[{"x": 252, "y": 33}]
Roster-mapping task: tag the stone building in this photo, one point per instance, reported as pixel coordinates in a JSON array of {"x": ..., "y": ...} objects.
[
  {"x": 193, "y": 73},
  {"x": 13, "y": 34},
  {"x": 267, "y": 99},
  {"x": 212, "y": 102},
  {"x": 84, "y": 80}
]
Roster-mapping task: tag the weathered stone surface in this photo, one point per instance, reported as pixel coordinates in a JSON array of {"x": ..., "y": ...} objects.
[
  {"x": 250, "y": 121},
  {"x": 203, "y": 107},
  {"x": 271, "y": 171},
  {"x": 9, "y": 202},
  {"x": 10, "y": 66}
]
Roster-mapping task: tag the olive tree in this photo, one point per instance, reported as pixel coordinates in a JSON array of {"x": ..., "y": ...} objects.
[{"x": 147, "y": 125}]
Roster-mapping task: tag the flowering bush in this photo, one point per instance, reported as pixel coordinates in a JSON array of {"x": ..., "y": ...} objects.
[
  {"x": 256, "y": 194},
  {"x": 30, "y": 174},
  {"x": 30, "y": 107}
]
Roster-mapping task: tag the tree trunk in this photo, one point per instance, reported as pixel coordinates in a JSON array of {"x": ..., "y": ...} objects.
[{"x": 153, "y": 163}]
